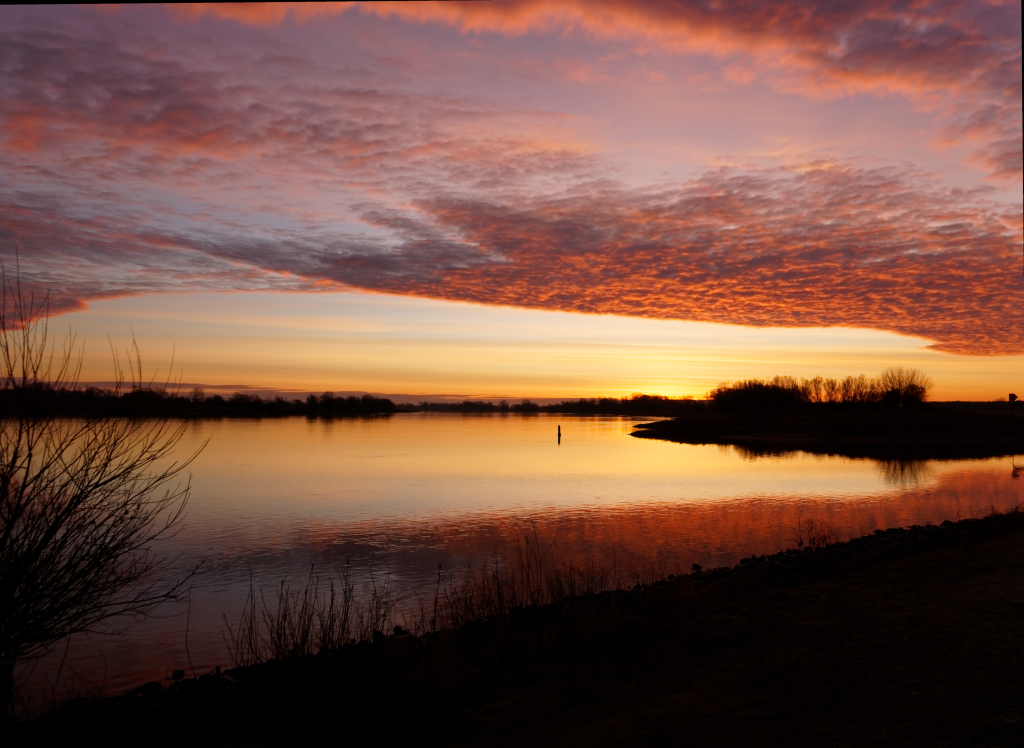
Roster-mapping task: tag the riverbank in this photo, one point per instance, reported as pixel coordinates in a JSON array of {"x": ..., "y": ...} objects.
[
  {"x": 892, "y": 434},
  {"x": 908, "y": 636}
]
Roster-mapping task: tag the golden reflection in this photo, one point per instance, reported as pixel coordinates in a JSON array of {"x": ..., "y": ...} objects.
[
  {"x": 419, "y": 465},
  {"x": 406, "y": 495}
]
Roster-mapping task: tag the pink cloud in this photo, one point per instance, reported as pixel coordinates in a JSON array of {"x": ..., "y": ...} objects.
[
  {"x": 962, "y": 61},
  {"x": 833, "y": 245},
  {"x": 132, "y": 173}
]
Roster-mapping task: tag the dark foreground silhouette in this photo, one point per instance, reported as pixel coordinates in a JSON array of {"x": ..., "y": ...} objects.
[
  {"x": 905, "y": 637},
  {"x": 924, "y": 432}
]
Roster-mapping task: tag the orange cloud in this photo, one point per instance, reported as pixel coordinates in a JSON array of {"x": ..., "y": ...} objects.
[
  {"x": 814, "y": 247},
  {"x": 134, "y": 173},
  {"x": 257, "y": 14},
  {"x": 829, "y": 246}
]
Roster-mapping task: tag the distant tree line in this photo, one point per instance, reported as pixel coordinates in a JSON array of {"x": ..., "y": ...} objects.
[
  {"x": 895, "y": 387},
  {"x": 479, "y": 406},
  {"x": 635, "y": 404},
  {"x": 152, "y": 402},
  {"x": 149, "y": 402}
]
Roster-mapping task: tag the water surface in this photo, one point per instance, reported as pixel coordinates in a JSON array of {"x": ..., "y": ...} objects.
[{"x": 404, "y": 495}]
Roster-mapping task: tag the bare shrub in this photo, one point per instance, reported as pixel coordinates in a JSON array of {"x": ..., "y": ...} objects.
[
  {"x": 82, "y": 501},
  {"x": 815, "y": 534},
  {"x": 300, "y": 622},
  {"x": 316, "y": 619},
  {"x": 905, "y": 386}
]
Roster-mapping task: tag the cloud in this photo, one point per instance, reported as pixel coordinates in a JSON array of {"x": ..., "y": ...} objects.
[
  {"x": 130, "y": 172},
  {"x": 823, "y": 245},
  {"x": 1004, "y": 159},
  {"x": 831, "y": 245},
  {"x": 956, "y": 59}
]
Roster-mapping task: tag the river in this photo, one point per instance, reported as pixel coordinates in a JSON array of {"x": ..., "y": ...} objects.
[{"x": 399, "y": 497}]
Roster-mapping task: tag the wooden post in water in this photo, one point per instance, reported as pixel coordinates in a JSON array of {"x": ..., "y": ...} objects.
[{"x": 559, "y": 434}]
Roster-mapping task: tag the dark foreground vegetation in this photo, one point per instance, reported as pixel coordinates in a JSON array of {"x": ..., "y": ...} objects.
[
  {"x": 908, "y": 636},
  {"x": 84, "y": 502},
  {"x": 895, "y": 387},
  {"x": 886, "y": 418},
  {"x": 165, "y": 402},
  {"x": 930, "y": 432}
]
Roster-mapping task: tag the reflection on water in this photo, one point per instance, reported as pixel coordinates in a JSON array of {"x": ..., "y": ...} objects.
[
  {"x": 407, "y": 494},
  {"x": 905, "y": 473},
  {"x": 897, "y": 473}
]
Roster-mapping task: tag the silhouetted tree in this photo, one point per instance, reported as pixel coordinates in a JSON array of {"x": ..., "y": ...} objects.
[
  {"x": 830, "y": 391},
  {"x": 902, "y": 387},
  {"x": 753, "y": 395},
  {"x": 894, "y": 387},
  {"x": 82, "y": 500}
]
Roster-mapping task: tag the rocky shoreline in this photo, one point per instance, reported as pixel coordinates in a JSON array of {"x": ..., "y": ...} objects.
[{"x": 488, "y": 681}]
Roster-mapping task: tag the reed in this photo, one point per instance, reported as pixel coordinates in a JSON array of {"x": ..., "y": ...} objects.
[
  {"x": 532, "y": 576},
  {"x": 318, "y": 618},
  {"x": 815, "y": 534},
  {"x": 325, "y": 614}
]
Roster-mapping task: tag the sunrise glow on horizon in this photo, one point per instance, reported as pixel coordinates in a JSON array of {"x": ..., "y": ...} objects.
[{"x": 522, "y": 198}]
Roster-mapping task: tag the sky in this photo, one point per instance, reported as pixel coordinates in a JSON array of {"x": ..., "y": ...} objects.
[{"x": 522, "y": 198}]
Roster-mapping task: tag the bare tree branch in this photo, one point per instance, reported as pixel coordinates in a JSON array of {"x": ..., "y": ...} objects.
[{"x": 83, "y": 501}]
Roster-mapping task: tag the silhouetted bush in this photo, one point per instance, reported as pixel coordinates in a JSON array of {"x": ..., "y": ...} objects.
[
  {"x": 904, "y": 387},
  {"x": 895, "y": 387},
  {"x": 84, "y": 501},
  {"x": 755, "y": 395}
]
